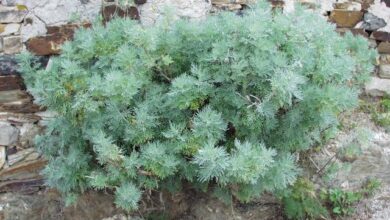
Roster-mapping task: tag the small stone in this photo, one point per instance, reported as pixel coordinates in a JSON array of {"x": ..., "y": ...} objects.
[
  {"x": 380, "y": 36},
  {"x": 8, "y": 65},
  {"x": 384, "y": 71},
  {"x": 230, "y": 7},
  {"x": 111, "y": 11},
  {"x": 24, "y": 171},
  {"x": 345, "y": 18},
  {"x": 12, "y": 96},
  {"x": 139, "y": 2},
  {"x": 22, "y": 106},
  {"x": 9, "y": 135},
  {"x": 11, "y": 83},
  {"x": 311, "y": 4},
  {"x": 384, "y": 59},
  {"x": 28, "y": 132},
  {"x": 8, "y": 29},
  {"x": 11, "y": 15},
  {"x": 378, "y": 87},
  {"x": 12, "y": 44},
  {"x": 387, "y": 2},
  {"x": 3, "y": 155},
  {"x": 384, "y": 47},
  {"x": 277, "y": 3},
  {"x": 50, "y": 44},
  {"x": 23, "y": 155},
  {"x": 372, "y": 22},
  {"x": 19, "y": 119}
]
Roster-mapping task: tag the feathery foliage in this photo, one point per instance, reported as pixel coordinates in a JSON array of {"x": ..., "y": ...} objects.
[{"x": 223, "y": 102}]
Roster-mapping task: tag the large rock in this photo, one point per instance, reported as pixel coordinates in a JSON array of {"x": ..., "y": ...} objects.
[
  {"x": 345, "y": 18},
  {"x": 378, "y": 87},
  {"x": 153, "y": 10},
  {"x": 11, "y": 14},
  {"x": 9, "y": 135}
]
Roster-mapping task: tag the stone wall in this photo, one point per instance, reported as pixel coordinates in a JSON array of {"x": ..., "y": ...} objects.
[{"x": 41, "y": 26}]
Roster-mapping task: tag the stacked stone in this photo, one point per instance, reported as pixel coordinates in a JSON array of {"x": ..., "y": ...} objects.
[
  {"x": 371, "y": 19},
  {"x": 11, "y": 18},
  {"x": 19, "y": 124}
]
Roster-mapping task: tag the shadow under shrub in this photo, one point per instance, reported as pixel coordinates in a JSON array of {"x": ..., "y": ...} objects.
[{"x": 221, "y": 103}]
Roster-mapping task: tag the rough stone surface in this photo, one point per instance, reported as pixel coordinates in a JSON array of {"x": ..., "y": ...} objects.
[
  {"x": 380, "y": 36},
  {"x": 384, "y": 47},
  {"x": 350, "y": 6},
  {"x": 139, "y": 2},
  {"x": 19, "y": 119},
  {"x": 55, "y": 12},
  {"x": 11, "y": 14},
  {"x": 384, "y": 71},
  {"x": 12, "y": 44},
  {"x": 27, "y": 134},
  {"x": 24, "y": 156},
  {"x": 111, "y": 11},
  {"x": 1, "y": 45},
  {"x": 384, "y": 59},
  {"x": 32, "y": 27},
  {"x": 51, "y": 43},
  {"x": 8, "y": 29},
  {"x": 378, "y": 87},
  {"x": 153, "y": 10},
  {"x": 9, "y": 135},
  {"x": 8, "y": 65},
  {"x": 11, "y": 83},
  {"x": 380, "y": 10},
  {"x": 3, "y": 155},
  {"x": 344, "y": 18},
  {"x": 12, "y": 96},
  {"x": 372, "y": 22}
]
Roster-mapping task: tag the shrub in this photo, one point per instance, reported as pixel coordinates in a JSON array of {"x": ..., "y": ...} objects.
[
  {"x": 223, "y": 102},
  {"x": 302, "y": 202}
]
